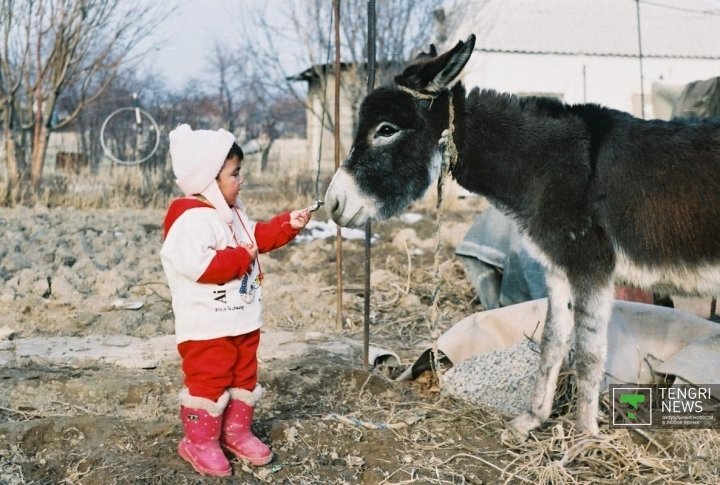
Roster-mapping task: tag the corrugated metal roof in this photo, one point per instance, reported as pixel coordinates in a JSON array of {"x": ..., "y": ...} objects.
[{"x": 670, "y": 28}]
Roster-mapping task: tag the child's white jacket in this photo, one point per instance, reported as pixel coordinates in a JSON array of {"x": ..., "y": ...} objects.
[{"x": 215, "y": 287}]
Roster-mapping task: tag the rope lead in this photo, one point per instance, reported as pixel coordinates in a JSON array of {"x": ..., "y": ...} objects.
[{"x": 448, "y": 161}]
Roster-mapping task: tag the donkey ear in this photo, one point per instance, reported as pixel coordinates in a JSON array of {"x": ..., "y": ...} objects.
[
  {"x": 431, "y": 74},
  {"x": 427, "y": 55}
]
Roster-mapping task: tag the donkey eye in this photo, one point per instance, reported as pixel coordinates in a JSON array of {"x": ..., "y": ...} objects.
[{"x": 385, "y": 130}]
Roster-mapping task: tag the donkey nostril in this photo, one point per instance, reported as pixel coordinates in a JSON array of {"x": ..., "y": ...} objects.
[{"x": 335, "y": 206}]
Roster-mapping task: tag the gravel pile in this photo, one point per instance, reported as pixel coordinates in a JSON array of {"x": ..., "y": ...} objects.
[{"x": 501, "y": 379}]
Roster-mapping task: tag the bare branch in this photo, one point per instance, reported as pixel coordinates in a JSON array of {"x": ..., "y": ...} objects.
[{"x": 78, "y": 43}]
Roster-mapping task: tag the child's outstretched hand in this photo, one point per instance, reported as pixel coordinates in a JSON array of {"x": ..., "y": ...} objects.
[{"x": 299, "y": 218}]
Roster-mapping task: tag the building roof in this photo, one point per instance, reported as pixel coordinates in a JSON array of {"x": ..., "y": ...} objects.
[
  {"x": 317, "y": 70},
  {"x": 669, "y": 28}
]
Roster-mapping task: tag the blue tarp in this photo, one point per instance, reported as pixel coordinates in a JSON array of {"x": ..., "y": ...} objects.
[{"x": 497, "y": 263}]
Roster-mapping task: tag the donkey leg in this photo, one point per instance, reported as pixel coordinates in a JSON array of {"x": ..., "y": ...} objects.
[
  {"x": 593, "y": 307},
  {"x": 553, "y": 349}
]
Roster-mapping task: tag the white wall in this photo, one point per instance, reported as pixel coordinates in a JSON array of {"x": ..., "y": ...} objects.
[
  {"x": 314, "y": 125},
  {"x": 610, "y": 81}
]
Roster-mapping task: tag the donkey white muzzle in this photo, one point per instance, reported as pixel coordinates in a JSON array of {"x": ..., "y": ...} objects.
[{"x": 346, "y": 203}]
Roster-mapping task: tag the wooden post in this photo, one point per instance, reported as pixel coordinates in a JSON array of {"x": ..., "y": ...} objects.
[{"x": 336, "y": 132}]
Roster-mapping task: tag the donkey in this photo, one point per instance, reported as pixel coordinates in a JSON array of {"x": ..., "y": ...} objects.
[{"x": 599, "y": 196}]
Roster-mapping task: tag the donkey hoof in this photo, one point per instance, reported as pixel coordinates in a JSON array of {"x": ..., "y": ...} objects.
[
  {"x": 591, "y": 429},
  {"x": 512, "y": 437},
  {"x": 519, "y": 428}
]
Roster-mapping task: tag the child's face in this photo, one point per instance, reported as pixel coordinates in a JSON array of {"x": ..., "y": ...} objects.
[{"x": 229, "y": 179}]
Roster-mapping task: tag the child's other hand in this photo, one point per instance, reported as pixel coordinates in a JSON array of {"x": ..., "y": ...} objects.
[
  {"x": 250, "y": 248},
  {"x": 299, "y": 218}
]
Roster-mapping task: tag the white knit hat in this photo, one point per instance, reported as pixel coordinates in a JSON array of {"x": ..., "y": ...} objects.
[{"x": 197, "y": 157}]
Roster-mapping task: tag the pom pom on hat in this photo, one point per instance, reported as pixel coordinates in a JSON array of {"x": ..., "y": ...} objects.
[{"x": 197, "y": 157}]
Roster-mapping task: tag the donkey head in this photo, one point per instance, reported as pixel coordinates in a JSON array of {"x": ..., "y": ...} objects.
[{"x": 395, "y": 155}]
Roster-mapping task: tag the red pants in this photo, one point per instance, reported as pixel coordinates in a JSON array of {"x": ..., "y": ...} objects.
[{"x": 211, "y": 366}]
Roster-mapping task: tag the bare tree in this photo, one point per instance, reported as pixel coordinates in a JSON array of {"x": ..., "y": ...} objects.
[
  {"x": 50, "y": 46},
  {"x": 144, "y": 88},
  {"x": 269, "y": 110},
  {"x": 247, "y": 102},
  {"x": 13, "y": 61},
  {"x": 229, "y": 87},
  {"x": 402, "y": 27}
]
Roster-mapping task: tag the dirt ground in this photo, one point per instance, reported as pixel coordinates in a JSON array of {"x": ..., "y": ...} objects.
[
  {"x": 327, "y": 419},
  {"x": 91, "y": 422}
]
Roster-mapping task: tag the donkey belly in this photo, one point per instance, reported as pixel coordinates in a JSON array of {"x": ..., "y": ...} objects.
[
  {"x": 668, "y": 279},
  {"x": 695, "y": 280}
]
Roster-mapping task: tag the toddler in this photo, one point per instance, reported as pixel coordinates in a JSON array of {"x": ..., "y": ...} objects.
[{"x": 210, "y": 257}]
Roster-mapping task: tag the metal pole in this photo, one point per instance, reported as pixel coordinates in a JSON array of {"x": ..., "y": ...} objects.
[
  {"x": 371, "y": 46},
  {"x": 336, "y": 131},
  {"x": 640, "y": 57},
  {"x": 368, "y": 225}
]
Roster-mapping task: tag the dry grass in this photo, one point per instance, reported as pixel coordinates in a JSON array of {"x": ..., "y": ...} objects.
[
  {"x": 447, "y": 441},
  {"x": 554, "y": 454},
  {"x": 121, "y": 187},
  {"x": 133, "y": 187}
]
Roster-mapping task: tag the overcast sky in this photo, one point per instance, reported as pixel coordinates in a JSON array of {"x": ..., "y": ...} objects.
[{"x": 183, "y": 43}]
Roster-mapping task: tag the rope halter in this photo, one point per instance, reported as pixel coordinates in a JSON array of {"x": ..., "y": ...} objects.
[
  {"x": 449, "y": 159},
  {"x": 447, "y": 140}
]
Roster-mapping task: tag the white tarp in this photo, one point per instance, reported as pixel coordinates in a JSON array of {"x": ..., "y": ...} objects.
[{"x": 644, "y": 341}]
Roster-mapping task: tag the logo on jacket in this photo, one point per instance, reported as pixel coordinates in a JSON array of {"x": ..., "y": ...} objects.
[
  {"x": 220, "y": 296},
  {"x": 247, "y": 291}
]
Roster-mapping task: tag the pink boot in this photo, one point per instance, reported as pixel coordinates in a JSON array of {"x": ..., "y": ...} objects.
[
  {"x": 237, "y": 436},
  {"x": 202, "y": 422}
]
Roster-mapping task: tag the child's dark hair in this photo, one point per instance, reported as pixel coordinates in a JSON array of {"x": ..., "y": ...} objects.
[{"x": 235, "y": 150}]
